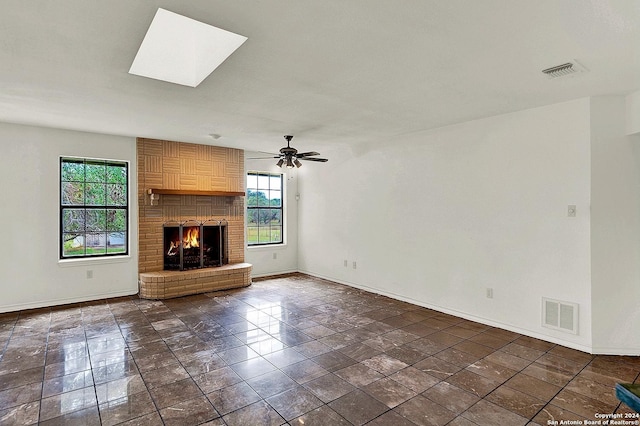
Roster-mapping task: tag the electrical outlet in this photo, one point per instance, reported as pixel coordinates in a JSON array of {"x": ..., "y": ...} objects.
[
  {"x": 89, "y": 274},
  {"x": 354, "y": 264},
  {"x": 489, "y": 293},
  {"x": 571, "y": 211},
  {"x": 346, "y": 263}
]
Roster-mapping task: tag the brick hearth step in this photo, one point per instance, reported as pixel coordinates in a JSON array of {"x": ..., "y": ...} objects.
[{"x": 168, "y": 284}]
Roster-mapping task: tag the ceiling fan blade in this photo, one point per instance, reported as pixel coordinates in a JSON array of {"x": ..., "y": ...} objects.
[
  {"x": 262, "y": 158},
  {"x": 319, "y": 160},
  {"x": 306, "y": 154}
]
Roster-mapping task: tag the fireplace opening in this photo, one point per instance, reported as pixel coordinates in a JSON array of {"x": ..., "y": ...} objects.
[
  {"x": 192, "y": 244},
  {"x": 214, "y": 243}
]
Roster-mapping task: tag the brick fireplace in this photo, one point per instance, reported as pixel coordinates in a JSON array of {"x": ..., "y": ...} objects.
[{"x": 175, "y": 183}]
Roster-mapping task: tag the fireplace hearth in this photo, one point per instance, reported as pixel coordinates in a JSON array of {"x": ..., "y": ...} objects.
[{"x": 192, "y": 244}]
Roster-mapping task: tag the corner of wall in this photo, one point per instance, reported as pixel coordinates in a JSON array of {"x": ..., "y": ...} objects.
[{"x": 615, "y": 228}]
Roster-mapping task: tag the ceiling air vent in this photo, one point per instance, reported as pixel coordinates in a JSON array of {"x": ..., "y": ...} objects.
[{"x": 564, "y": 70}]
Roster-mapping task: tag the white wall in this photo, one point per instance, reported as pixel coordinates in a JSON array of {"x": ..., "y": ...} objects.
[
  {"x": 615, "y": 229},
  {"x": 436, "y": 218},
  {"x": 276, "y": 259},
  {"x": 31, "y": 274},
  {"x": 632, "y": 113}
]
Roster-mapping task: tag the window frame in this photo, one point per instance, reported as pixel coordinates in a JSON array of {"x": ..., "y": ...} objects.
[
  {"x": 281, "y": 208},
  {"x": 94, "y": 207}
]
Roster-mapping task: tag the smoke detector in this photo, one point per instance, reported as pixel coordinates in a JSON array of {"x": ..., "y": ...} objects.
[{"x": 563, "y": 70}]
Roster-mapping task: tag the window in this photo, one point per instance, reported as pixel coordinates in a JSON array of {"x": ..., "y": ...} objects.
[
  {"x": 264, "y": 208},
  {"x": 94, "y": 210}
]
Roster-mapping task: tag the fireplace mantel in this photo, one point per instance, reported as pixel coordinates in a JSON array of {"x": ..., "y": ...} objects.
[{"x": 160, "y": 191}]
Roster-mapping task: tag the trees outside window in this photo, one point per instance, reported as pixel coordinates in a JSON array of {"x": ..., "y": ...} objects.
[
  {"x": 94, "y": 208},
  {"x": 264, "y": 208}
]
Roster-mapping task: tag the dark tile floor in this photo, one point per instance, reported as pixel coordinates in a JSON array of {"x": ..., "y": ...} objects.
[{"x": 289, "y": 350}]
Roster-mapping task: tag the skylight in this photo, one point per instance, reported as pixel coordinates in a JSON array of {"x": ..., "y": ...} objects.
[{"x": 182, "y": 50}]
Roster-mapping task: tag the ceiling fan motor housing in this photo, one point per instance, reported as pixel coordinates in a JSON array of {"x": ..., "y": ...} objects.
[{"x": 288, "y": 151}]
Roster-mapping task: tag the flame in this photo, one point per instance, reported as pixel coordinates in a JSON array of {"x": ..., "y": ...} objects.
[
  {"x": 174, "y": 247},
  {"x": 190, "y": 237},
  {"x": 189, "y": 240}
]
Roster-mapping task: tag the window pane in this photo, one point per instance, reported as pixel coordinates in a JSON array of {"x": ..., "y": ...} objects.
[
  {"x": 116, "y": 242},
  {"x": 252, "y": 234},
  {"x": 252, "y": 181},
  {"x": 252, "y": 198},
  {"x": 95, "y": 194},
  {"x": 276, "y": 217},
  {"x": 116, "y": 220},
  {"x": 73, "y": 220},
  {"x": 265, "y": 236},
  {"x": 72, "y": 171},
  {"x": 96, "y": 221},
  {"x": 266, "y": 216},
  {"x": 276, "y": 234},
  {"x": 72, "y": 244},
  {"x": 252, "y": 217},
  {"x": 72, "y": 193},
  {"x": 263, "y": 182},
  {"x": 263, "y": 201},
  {"x": 275, "y": 182},
  {"x": 96, "y": 243},
  {"x": 116, "y": 195},
  {"x": 117, "y": 174},
  {"x": 275, "y": 198},
  {"x": 96, "y": 172}
]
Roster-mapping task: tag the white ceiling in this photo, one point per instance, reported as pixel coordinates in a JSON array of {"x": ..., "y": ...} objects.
[{"x": 330, "y": 71}]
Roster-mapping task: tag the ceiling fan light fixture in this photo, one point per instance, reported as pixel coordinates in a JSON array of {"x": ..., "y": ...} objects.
[{"x": 290, "y": 157}]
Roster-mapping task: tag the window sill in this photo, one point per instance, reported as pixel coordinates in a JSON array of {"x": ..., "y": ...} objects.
[
  {"x": 268, "y": 247},
  {"x": 66, "y": 263}
]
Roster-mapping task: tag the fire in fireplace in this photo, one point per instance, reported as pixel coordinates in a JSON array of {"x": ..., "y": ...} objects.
[{"x": 192, "y": 244}]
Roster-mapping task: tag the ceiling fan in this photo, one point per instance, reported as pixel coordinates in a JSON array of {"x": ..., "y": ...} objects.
[{"x": 290, "y": 156}]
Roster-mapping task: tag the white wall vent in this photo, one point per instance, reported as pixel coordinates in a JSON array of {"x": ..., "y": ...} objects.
[
  {"x": 564, "y": 69},
  {"x": 560, "y": 315}
]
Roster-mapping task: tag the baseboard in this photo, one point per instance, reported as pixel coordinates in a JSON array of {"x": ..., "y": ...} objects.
[
  {"x": 597, "y": 350},
  {"x": 275, "y": 273},
  {"x": 481, "y": 320},
  {"x": 64, "y": 301}
]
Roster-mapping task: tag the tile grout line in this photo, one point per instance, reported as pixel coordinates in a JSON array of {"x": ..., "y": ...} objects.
[
  {"x": 93, "y": 379},
  {"x": 44, "y": 366}
]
